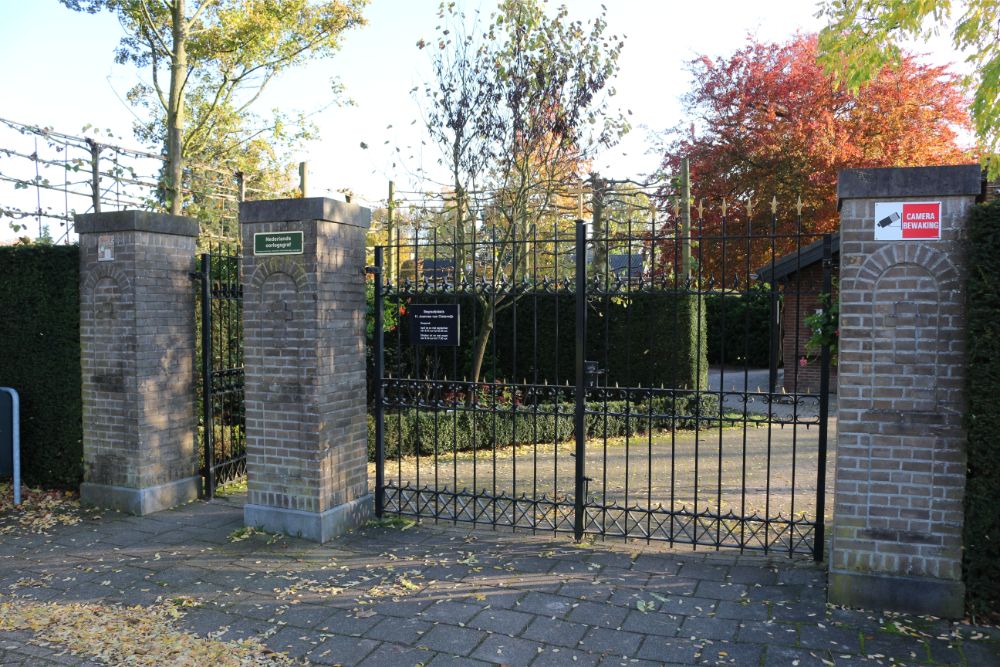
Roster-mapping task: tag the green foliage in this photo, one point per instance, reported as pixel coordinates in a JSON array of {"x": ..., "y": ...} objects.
[
  {"x": 40, "y": 330},
  {"x": 465, "y": 430},
  {"x": 862, "y": 37},
  {"x": 825, "y": 327},
  {"x": 982, "y": 520},
  {"x": 738, "y": 327}
]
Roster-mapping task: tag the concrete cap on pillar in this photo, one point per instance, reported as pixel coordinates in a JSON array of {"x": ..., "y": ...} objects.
[
  {"x": 309, "y": 208},
  {"x": 887, "y": 182},
  {"x": 136, "y": 221}
]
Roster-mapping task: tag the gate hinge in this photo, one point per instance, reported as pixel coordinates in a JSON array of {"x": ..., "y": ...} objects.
[
  {"x": 373, "y": 270},
  {"x": 195, "y": 275}
]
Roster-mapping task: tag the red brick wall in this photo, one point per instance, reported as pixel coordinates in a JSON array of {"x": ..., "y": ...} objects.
[{"x": 801, "y": 299}]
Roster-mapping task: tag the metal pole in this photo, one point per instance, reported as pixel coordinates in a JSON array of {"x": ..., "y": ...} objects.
[
  {"x": 304, "y": 179},
  {"x": 389, "y": 221},
  {"x": 241, "y": 187},
  {"x": 824, "y": 399},
  {"x": 774, "y": 338},
  {"x": 685, "y": 218},
  {"x": 581, "y": 342},
  {"x": 208, "y": 439},
  {"x": 15, "y": 427},
  {"x": 95, "y": 174},
  {"x": 379, "y": 390}
]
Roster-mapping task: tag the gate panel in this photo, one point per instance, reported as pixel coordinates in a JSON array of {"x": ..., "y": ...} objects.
[
  {"x": 223, "y": 441},
  {"x": 490, "y": 449},
  {"x": 579, "y": 396}
]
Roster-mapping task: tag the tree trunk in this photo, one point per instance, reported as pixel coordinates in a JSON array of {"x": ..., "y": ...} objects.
[
  {"x": 175, "y": 110},
  {"x": 459, "y": 268},
  {"x": 482, "y": 341}
]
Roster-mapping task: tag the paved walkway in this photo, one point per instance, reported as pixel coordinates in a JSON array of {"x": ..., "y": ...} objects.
[{"x": 438, "y": 595}]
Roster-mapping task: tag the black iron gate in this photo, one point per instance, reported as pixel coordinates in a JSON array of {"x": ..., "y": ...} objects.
[
  {"x": 579, "y": 397},
  {"x": 220, "y": 321}
]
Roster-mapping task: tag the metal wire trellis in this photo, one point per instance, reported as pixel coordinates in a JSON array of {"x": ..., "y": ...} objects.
[{"x": 48, "y": 176}]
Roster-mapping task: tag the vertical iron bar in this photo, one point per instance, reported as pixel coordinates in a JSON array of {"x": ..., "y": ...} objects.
[
  {"x": 379, "y": 391},
  {"x": 824, "y": 397},
  {"x": 206, "y": 374},
  {"x": 581, "y": 342}
]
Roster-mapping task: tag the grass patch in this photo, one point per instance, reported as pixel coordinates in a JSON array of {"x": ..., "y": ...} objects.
[
  {"x": 393, "y": 521},
  {"x": 234, "y": 488}
]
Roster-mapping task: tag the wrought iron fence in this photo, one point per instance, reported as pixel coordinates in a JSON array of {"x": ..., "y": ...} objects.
[
  {"x": 572, "y": 391},
  {"x": 222, "y": 418}
]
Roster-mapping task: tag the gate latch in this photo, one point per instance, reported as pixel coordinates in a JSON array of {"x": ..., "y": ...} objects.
[{"x": 592, "y": 373}]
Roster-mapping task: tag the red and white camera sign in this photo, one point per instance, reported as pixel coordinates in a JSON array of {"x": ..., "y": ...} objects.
[{"x": 898, "y": 221}]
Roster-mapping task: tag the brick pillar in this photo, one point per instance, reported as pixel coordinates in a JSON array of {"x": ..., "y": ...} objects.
[
  {"x": 137, "y": 356},
  {"x": 304, "y": 346},
  {"x": 900, "y": 475}
]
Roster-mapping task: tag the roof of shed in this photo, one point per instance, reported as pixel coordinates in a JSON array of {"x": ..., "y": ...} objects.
[{"x": 796, "y": 261}]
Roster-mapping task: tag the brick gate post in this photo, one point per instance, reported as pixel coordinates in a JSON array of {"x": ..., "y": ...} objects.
[
  {"x": 900, "y": 468},
  {"x": 304, "y": 349},
  {"x": 137, "y": 356}
]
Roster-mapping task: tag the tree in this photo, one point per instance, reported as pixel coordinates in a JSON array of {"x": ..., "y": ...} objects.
[
  {"x": 771, "y": 123},
  {"x": 221, "y": 53},
  {"x": 516, "y": 111},
  {"x": 862, "y": 39}
]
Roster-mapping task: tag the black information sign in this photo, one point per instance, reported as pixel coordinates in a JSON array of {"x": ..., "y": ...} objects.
[{"x": 433, "y": 324}]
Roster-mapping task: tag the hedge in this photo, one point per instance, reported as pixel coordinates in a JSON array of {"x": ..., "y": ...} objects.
[
  {"x": 464, "y": 428},
  {"x": 738, "y": 327},
  {"x": 645, "y": 339},
  {"x": 40, "y": 330},
  {"x": 982, "y": 519}
]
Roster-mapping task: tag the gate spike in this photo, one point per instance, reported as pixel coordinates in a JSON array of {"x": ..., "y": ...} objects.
[
  {"x": 750, "y": 207},
  {"x": 701, "y": 207},
  {"x": 677, "y": 206},
  {"x": 724, "y": 207},
  {"x": 798, "y": 205},
  {"x": 774, "y": 204}
]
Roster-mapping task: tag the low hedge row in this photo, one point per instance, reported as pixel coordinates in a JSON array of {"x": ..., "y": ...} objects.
[{"x": 464, "y": 429}]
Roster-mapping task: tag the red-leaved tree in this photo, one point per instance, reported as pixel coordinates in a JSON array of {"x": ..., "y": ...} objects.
[{"x": 769, "y": 123}]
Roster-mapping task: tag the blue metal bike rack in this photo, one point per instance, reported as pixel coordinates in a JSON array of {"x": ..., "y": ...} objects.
[{"x": 11, "y": 416}]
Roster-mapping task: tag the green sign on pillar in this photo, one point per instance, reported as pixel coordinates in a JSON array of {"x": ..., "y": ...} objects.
[{"x": 277, "y": 243}]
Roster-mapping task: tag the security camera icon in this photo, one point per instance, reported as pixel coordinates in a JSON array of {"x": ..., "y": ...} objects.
[{"x": 889, "y": 220}]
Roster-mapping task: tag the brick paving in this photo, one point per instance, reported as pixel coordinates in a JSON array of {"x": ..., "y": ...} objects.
[{"x": 444, "y": 595}]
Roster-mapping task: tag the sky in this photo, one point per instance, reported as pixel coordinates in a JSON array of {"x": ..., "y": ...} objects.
[{"x": 57, "y": 69}]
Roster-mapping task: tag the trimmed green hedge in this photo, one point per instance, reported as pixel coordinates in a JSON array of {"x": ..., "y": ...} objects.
[
  {"x": 738, "y": 328},
  {"x": 982, "y": 491},
  {"x": 459, "y": 430},
  {"x": 645, "y": 339},
  {"x": 40, "y": 330}
]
